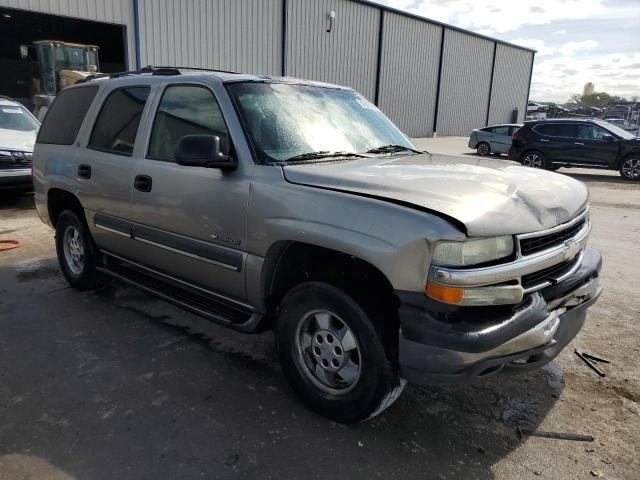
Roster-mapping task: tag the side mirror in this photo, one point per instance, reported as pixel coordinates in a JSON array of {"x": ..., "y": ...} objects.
[
  {"x": 608, "y": 138},
  {"x": 24, "y": 52},
  {"x": 203, "y": 151}
]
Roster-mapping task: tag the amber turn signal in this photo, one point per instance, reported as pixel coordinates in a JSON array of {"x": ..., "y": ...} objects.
[{"x": 443, "y": 294}]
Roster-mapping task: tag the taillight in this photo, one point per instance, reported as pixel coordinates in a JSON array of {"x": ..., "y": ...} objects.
[{"x": 516, "y": 136}]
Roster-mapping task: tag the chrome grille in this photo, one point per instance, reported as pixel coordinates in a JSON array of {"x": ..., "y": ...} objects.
[
  {"x": 532, "y": 243},
  {"x": 14, "y": 159},
  {"x": 548, "y": 275},
  {"x": 538, "y": 244}
]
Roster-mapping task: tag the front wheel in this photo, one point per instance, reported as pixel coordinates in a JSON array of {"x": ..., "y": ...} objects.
[
  {"x": 76, "y": 252},
  {"x": 332, "y": 354},
  {"x": 630, "y": 169}
]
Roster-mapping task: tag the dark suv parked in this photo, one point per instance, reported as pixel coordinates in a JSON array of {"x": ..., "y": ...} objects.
[{"x": 552, "y": 144}]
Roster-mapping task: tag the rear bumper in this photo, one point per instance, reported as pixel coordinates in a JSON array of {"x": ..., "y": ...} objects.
[
  {"x": 441, "y": 344},
  {"x": 515, "y": 153}
]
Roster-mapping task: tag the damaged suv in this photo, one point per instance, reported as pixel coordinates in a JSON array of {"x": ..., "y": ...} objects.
[{"x": 275, "y": 203}]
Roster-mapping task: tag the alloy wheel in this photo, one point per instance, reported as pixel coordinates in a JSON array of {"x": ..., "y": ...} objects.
[
  {"x": 328, "y": 352},
  {"x": 631, "y": 168},
  {"x": 73, "y": 246},
  {"x": 483, "y": 149},
  {"x": 533, "y": 160}
]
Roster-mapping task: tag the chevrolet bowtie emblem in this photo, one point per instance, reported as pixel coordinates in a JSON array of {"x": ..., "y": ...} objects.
[{"x": 571, "y": 250}]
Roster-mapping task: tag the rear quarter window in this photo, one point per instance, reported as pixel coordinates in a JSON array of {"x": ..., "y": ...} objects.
[{"x": 65, "y": 116}]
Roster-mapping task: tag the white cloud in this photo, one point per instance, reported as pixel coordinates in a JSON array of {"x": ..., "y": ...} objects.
[
  {"x": 568, "y": 49},
  {"x": 571, "y": 48},
  {"x": 537, "y": 44},
  {"x": 556, "y": 79},
  {"x": 559, "y": 32},
  {"x": 494, "y": 17}
]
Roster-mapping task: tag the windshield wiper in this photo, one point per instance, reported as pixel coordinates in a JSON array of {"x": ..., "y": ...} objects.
[
  {"x": 322, "y": 154},
  {"x": 393, "y": 149}
]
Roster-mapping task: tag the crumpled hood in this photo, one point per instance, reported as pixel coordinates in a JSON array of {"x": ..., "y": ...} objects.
[
  {"x": 490, "y": 197},
  {"x": 17, "y": 140}
]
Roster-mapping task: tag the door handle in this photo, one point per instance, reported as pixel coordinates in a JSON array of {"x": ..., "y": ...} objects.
[
  {"x": 142, "y": 183},
  {"x": 544, "y": 140},
  {"x": 84, "y": 171},
  {"x": 578, "y": 143}
]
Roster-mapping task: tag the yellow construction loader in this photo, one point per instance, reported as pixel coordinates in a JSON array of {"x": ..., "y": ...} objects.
[{"x": 57, "y": 65}]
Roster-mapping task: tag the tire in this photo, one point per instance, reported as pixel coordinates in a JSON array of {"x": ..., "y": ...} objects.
[
  {"x": 483, "y": 149},
  {"x": 332, "y": 354},
  {"x": 534, "y": 159},
  {"x": 77, "y": 254},
  {"x": 630, "y": 169}
]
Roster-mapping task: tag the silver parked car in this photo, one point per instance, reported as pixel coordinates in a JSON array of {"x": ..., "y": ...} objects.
[
  {"x": 18, "y": 130},
  {"x": 276, "y": 203},
  {"x": 493, "y": 139}
]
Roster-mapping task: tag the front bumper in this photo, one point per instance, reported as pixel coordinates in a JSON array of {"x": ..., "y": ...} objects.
[
  {"x": 15, "y": 178},
  {"x": 445, "y": 344}
]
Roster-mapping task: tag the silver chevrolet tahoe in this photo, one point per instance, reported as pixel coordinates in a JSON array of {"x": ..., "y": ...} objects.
[{"x": 275, "y": 203}]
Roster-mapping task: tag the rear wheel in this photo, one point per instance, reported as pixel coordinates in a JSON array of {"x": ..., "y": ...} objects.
[
  {"x": 75, "y": 249},
  {"x": 483, "y": 149},
  {"x": 534, "y": 159},
  {"x": 630, "y": 168},
  {"x": 333, "y": 355}
]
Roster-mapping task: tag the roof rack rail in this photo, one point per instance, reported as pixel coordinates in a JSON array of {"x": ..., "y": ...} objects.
[
  {"x": 200, "y": 69},
  {"x": 153, "y": 70}
]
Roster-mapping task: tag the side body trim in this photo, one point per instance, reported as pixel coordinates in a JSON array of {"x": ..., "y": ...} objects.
[{"x": 189, "y": 247}]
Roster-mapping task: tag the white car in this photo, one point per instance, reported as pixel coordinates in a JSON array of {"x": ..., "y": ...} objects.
[
  {"x": 18, "y": 131},
  {"x": 534, "y": 107},
  {"x": 620, "y": 122},
  {"x": 493, "y": 139}
]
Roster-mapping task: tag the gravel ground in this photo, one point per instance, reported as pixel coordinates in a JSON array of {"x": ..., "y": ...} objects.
[{"x": 117, "y": 384}]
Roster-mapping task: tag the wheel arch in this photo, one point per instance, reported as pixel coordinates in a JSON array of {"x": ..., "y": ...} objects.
[
  {"x": 289, "y": 263},
  {"x": 285, "y": 257},
  {"x": 627, "y": 156},
  {"x": 59, "y": 200}
]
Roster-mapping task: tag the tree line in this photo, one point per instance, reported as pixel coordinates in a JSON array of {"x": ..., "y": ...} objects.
[{"x": 599, "y": 100}]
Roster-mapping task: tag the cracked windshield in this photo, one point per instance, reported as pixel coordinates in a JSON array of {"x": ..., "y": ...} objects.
[{"x": 288, "y": 121}]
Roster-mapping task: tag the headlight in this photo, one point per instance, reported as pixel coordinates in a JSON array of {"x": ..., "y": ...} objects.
[{"x": 472, "y": 252}]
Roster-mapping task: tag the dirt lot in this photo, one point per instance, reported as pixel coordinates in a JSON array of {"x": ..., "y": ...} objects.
[{"x": 115, "y": 384}]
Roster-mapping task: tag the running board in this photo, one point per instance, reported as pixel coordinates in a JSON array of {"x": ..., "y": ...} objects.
[{"x": 208, "y": 306}]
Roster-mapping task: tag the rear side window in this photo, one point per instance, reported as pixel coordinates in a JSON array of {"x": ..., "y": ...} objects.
[
  {"x": 64, "y": 118},
  {"x": 117, "y": 124},
  {"x": 185, "y": 110},
  {"x": 501, "y": 130},
  {"x": 567, "y": 130}
]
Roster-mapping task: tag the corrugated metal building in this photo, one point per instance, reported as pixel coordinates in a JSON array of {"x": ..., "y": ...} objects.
[{"x": 428, "y": 77}]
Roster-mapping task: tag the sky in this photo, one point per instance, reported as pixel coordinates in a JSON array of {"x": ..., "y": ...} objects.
[{"x": 577, "y": 41}]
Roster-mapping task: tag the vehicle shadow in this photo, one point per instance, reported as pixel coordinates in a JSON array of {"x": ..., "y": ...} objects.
[
  {"x": 16, "y": 199},
  {"x": 117, "y": 384},
  {"x": 596, "y": 177}
]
